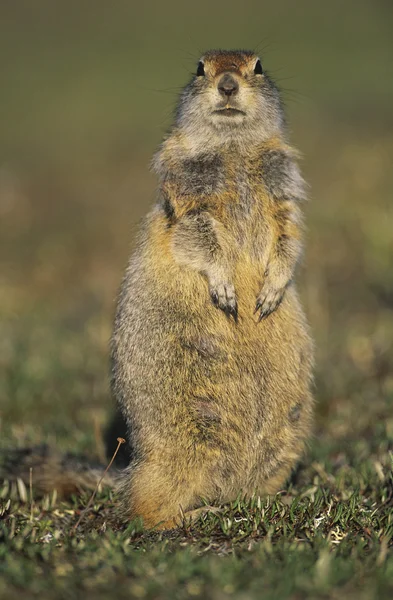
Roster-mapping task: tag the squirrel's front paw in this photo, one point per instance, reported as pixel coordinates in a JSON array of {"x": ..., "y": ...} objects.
[
  {"x": 223, "y": 296},
  {"x": 268, "y": 301}
]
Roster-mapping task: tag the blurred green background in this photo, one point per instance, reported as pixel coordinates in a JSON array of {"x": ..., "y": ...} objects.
[{"x": 87, "y": 92}]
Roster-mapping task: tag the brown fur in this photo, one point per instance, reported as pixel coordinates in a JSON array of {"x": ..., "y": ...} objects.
[
  {"x": 216, "y": 402},
  {"x": 211, "y": 354}
]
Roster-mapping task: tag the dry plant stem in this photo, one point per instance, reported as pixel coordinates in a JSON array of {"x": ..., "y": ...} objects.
[
  {"x": 120, "y": 442},
  {"x": 31, "y": 493}
]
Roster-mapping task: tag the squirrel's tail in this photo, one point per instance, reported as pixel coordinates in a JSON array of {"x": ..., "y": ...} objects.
[{"x": 48, "y": 470}]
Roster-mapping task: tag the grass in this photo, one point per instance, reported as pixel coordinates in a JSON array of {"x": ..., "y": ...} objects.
[
  {"x": 73, "y": 184},
  {"x": 327, "y": 539}
]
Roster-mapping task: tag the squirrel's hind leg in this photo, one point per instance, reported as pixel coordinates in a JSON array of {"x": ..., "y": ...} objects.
[{"x": 161, "y": 495}]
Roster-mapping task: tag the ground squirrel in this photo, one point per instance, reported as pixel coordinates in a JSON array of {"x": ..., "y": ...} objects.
[{"x": 211, "y": 354}]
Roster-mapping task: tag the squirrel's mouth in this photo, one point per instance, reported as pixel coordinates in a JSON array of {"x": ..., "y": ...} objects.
[{"x": 229, "y": 111}]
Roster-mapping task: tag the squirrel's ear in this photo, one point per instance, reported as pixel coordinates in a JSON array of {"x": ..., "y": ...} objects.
[
  {"x": 258, "y": 68},
  {"x": 201, "y": 69}
]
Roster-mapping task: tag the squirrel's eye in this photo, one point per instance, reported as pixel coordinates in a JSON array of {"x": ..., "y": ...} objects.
[
  {"x": 258, "y": 68},
  {"x": 201, "y": 69}
]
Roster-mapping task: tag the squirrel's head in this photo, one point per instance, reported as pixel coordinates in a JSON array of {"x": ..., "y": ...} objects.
[{"x": 231, "y": 94}]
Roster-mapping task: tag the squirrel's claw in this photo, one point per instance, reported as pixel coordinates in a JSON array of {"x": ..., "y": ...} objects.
[
  {"x": 223, "y": 297},
  {"x": 214, "y": 297},
  {"x": 232, "y": 311},
  {"x": 268, "y": 303}
]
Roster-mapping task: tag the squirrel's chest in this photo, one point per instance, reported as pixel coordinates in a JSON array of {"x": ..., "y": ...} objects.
[
  {"x": 232, "y": 190},
  {"x": 246, "y": 211}
]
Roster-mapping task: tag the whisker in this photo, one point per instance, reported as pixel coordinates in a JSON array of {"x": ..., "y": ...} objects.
[{"x": 266, "y": 47}]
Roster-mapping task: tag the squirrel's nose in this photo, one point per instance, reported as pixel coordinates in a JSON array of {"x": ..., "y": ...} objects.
[{"x": 228, "y": 86}]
